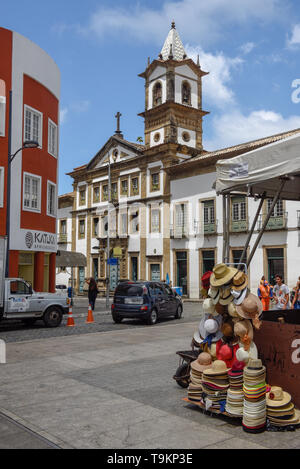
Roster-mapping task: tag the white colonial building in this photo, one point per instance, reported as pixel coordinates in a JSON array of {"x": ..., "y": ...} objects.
[{"x": 164, "y": 218}]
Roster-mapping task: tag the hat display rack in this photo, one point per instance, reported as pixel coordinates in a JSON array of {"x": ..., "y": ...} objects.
[{"x": 228, "y": 377}]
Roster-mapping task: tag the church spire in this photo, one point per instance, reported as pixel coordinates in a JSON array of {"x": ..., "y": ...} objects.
[{"x": 173, "y": 43}]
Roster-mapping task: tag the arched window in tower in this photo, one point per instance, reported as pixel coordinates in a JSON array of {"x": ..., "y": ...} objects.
[
  {"x": 186, "y": 93},
  {"x": 157, "y": 94}
]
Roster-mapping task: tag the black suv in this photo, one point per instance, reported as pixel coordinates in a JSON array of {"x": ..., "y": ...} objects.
[{"x": 148, "y": 301}]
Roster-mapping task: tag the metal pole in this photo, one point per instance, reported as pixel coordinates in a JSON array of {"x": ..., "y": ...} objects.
[
  {"x": 8, "y": 186},
  {"x": 265, "y": 222},
  {"x": 108, "y": 243},
  {"x": 224, "y": 228},
  {"x": 252, "y": 227},
  {"x": 228, "y": 227}
]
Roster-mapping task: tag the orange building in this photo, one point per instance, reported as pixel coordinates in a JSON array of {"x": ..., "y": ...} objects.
[{"x": 29, "y": 99}]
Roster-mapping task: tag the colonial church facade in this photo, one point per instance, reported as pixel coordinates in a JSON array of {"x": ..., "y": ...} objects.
[{"x": 160, "y": 217}]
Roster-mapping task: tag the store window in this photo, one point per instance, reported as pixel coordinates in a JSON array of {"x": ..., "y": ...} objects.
[
  {"x": 33, "y": 125},
  {"x": 31, "y": 192}
]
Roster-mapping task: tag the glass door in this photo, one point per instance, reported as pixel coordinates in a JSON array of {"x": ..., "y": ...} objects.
[
  {"x": 181, "y": 263},
  {"x": 275, "y": 263}
]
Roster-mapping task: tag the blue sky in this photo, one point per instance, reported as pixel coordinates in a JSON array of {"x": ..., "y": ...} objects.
[{"x": 250, "y": 47}]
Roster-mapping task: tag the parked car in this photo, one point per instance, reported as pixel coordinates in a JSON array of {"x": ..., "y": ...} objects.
[
  {"x": 147, "y": 301},
  {"x": 63, "y": 289}
]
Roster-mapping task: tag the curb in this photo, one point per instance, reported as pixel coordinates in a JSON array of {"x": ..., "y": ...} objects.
[{"x": 41, "y": 434}]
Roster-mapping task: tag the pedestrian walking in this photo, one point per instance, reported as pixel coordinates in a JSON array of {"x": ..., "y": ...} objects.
[
  {"x": 296, "y": 299},
  {"x": 281, "y": 293},
  {"x": 92, "y": 292},
  {"x": 265, "y": 293}
]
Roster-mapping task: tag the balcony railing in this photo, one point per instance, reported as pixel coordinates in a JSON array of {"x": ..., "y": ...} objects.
[
  {"x": 62, "y": 238},
  {"x": 203, "y": 228},
  {"x": 275, "y": 222},
  {"x": 238, "y": 226},
  {"x": 179, "y": 231}
]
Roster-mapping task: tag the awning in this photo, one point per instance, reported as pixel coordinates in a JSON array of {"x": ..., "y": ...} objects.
[
  {"x": 263, "y": 170},
  {"x": 70, "y": 259}
]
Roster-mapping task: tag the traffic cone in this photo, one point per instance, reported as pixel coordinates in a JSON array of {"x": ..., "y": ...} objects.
[
  {"x": 70, "y": 322},
  {"x": 90, "y": 317}
]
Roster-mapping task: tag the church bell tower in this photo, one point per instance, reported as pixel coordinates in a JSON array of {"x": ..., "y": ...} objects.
[{"x": 173, "y": 98}]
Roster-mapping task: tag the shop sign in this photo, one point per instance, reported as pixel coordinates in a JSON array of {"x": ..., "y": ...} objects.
[{"x": 40, "y": 241}]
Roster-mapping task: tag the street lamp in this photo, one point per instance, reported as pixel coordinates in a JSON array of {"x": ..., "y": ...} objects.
[
  {"x": 114, "y": 157},
  {"x": 26, "y": 145}
]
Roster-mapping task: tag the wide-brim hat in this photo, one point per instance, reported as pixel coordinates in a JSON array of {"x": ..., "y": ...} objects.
[
  {"x": 218, "y": 367},
  {"x": 225, "y": 296},
  {"x": 250, "y": 307},
  {"x": 209, "y": 306},
  {"x": 276, "y": 397},
  {"x": 239, "y": 281},
  {"x": 214, "y": 294},
  {"x": 243, "y": 327},
  {"x": 239, "y": 296},
  {"x": 222, "y": 274},
  {"x": 203, "y": 362},
  {"x": 293, "y": 420},
  {"x": 254, "y": 367},
  {"x": 204, "y": 332}
]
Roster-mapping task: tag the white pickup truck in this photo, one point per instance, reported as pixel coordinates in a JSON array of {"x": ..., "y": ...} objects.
[{"x": 19, "y": 301}]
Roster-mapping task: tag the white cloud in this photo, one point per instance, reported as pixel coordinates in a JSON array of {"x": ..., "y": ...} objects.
[
  {"x": 216, "y": 85},
  {"x": 63, "y": 115},
  {"x": 234, "y": 128},
  {"x": 80, "y": 106},
  {"x": 197, "y": 21},
  {"x": 294, "y": 41},
  {"x": 247, "y": 47}
]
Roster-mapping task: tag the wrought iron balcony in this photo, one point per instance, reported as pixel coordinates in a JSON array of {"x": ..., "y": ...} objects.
[{"x": 275, "y": 223}]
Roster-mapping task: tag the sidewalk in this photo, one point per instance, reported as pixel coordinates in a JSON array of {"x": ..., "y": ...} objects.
[{"x": 113, "y": 390}]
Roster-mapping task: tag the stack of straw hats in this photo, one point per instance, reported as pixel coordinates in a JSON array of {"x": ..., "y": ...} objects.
[
  {"x": 215, "y": 383},
  {"x": 254, "y": 388},
  {"x": 235, "y": 394},
  {"x": 203, "y": 362},
  {"x": 281, "y": 411}
]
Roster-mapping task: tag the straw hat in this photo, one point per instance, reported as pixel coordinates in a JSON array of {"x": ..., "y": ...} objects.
[
  {"x": 225, "y": 296},
  {"x": 250, "y": 307},
  {"x": 209, "y": 307},
  {"x": 239, "y": 296},
  {"x": 239, "y": 281},
  {"x": 203, "y": 362},
  {"x": 254, "y": 367},
  {"x": 218, "y": 368},
  {"x": 245, "y": 355},
  {"x": 243, "y": 327},
  {"x": 277, "y": 397},
  {"x": 214, "y": 294},
  {"x": 222, "y": 274},
  {"x": 232, "y": 310}
]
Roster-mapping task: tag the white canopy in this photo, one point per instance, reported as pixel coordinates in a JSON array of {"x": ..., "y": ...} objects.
[{"x": 262, "y": 170}]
